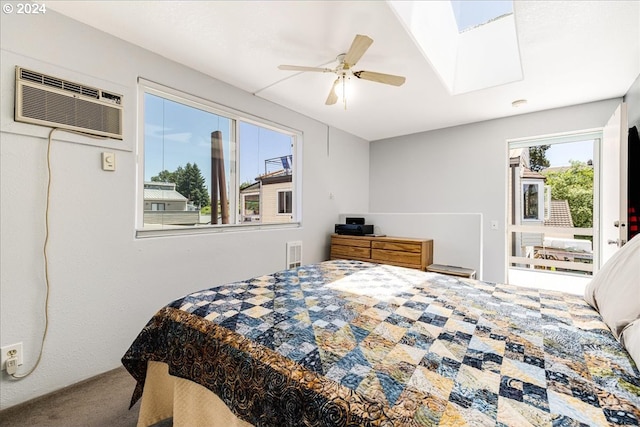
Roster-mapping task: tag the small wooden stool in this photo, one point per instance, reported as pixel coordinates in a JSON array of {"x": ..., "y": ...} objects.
[{"x": 452, "y": 270}]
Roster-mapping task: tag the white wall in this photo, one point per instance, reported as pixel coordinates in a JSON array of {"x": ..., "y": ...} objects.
[
  {"x": 105, "y": 283},
  {"x": 632, "y": 98},
  {"x": 463, "y": 169}
]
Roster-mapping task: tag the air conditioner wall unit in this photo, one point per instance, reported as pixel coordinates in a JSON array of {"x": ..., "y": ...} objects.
[{"x": 50, "y": 101}]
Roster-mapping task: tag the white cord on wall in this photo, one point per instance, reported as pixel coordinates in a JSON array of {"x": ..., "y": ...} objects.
[{"x": 45, "y": 248}]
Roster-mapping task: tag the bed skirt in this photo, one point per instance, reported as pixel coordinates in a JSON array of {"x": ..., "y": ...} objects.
[{"x": 190, "y": 404}]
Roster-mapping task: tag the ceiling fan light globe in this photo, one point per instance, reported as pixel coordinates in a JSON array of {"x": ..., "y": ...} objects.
[{"x": 343, "y": 88}]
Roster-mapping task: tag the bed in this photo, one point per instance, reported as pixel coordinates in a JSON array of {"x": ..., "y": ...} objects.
[{"x": 350, "y": 343}]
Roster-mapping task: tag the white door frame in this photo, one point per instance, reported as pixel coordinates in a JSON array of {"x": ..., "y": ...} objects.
[
  {"x": 613, "y": 184},
  {"x": 565, "y": 137}
]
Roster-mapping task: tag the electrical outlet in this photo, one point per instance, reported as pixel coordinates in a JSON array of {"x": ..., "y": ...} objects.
[{"x": 9, "y": 351}]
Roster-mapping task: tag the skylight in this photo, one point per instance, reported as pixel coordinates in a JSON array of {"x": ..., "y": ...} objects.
[
  {"x": 471, "y": 14},
  {"x": 484, "y": 55}
]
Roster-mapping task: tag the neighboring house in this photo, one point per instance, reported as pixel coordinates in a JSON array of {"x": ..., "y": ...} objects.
[
  {"x": 270, "y": 198},
  {"x": 162, "y": 196},
  {"x": 277, "y": 198},
  {"x": 163, "y": 204}
]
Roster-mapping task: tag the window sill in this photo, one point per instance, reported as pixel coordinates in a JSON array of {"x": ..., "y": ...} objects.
[{"x": 212, "y": 229}]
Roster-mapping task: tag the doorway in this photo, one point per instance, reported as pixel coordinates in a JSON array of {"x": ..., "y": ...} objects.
[{"x": 553, "y": 211}]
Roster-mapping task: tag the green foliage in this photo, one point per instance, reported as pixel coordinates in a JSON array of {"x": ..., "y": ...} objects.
[
  {"x": 574, "y": 184},
  {"x": 189, "y": 182},
  {"x": 537, "y": 157},
  {"x": 206, "y": 210},
  {"x": 164, "y": 176}
]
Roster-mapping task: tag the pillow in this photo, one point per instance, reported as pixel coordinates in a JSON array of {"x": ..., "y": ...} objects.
[
  {"x": 630, "y": 339},
  {"x": 615, "y": 290}
]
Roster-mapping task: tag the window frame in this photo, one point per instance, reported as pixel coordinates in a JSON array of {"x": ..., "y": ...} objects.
[
  {"x": 243, "y": 204},
  {"x": 284, "y": 211},
  {"x": 237, "y": 116},
  {"x": 540, "y": 198}
]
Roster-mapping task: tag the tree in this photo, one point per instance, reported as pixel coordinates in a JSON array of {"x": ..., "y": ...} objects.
[
  {"x": 193, "y": 187},
  {"x": 575, "y": 185},
  {"x": 164, "y": 176},
  {"x": 537, "y": 158},
  {"x": 189, "y": 182}
]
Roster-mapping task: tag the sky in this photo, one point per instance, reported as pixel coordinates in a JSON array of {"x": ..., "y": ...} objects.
[
  {"x": 177, "y": 134},
  {"x": 561, "y": 154},
  {"x": 470, "y": 14}
]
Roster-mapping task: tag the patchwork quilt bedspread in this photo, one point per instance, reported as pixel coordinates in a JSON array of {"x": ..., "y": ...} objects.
[{"x": 348, "y": 343}]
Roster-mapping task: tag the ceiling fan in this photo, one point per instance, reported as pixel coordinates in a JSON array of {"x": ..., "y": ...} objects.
[{"x": 344, "y": 70}]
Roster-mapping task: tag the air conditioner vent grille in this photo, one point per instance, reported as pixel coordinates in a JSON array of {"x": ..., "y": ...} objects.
[
  {"x": 52, "y": 107},
  {"x": 87, "y": 91},
  {"x": 43, "y": 79},
  {"x": 57, "y": 83},
  {"x": 31, "y": 76}
]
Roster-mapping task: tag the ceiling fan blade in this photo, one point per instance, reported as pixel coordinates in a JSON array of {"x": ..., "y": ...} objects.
[
  {"x": 388, "y": 79},
  {"x": 302, "y": 68},
  {"x": 358, "y": 47},
  {"x": 333, "y": 97}
]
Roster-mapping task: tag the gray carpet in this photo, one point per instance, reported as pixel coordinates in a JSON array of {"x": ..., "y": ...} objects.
[{"x": 102, "y": 401}]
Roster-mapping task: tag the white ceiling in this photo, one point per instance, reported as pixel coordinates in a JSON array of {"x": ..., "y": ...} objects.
[{"x": 571, "y": 51}]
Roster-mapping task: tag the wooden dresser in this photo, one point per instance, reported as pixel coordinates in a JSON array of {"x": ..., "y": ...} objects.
[{"x": 405, "y": 252}]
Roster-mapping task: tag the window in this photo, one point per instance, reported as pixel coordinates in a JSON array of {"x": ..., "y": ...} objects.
[
  {"x": 205, "y": 167},
  {"x": 533, "y": 200},
  {"x": 285, "y": 202},
  {"x": 251, "y": 207}
]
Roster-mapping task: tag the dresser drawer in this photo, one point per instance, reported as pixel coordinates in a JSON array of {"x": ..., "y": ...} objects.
[
  {"x": 398, "y": 246},
  {"x": 350, "y": 241},
  {"x": 339, "y": 251},
  {"x": 396, "y": 257}
]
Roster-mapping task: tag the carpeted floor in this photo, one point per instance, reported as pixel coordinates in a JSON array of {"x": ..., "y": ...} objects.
[{"x": 102, "y": 401}]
